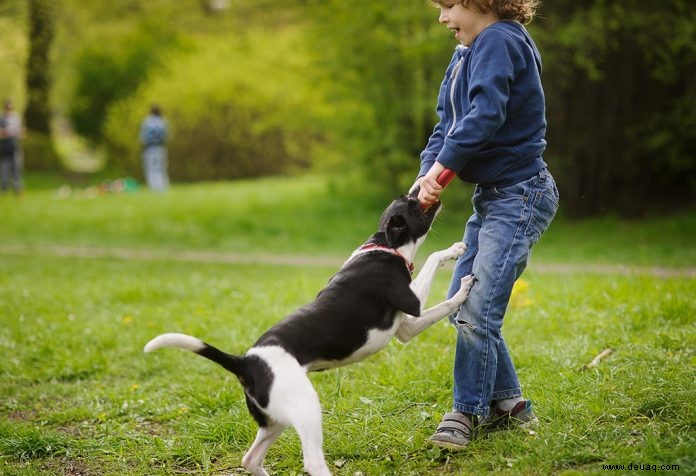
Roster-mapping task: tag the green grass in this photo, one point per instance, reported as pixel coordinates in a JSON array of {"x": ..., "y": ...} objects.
[
  {"x": 78, "y": 396},
  {"x": 309, "y": 215}
]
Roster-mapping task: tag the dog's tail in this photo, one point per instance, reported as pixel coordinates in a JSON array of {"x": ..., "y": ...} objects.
[{"x": 233, "y": 363}]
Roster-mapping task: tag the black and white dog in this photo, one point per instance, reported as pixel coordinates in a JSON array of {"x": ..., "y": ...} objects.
[{"x": 368, "y": 301}]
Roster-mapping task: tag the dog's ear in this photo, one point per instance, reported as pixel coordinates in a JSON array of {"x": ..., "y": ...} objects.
[{"x": 396, "y": 227}]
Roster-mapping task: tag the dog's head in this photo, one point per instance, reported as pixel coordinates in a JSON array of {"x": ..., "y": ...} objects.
[{"x": 405, "y": 224}]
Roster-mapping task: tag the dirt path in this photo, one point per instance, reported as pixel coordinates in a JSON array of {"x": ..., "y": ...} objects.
[{"x": 303, "y": 260}]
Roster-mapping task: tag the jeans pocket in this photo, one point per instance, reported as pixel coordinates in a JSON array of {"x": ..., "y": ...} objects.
[
  {"x": 519, "y": 190},
  {"x": 543, "y": 209}
]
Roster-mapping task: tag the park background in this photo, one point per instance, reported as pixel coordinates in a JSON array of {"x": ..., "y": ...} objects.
[{"x": 292, "y": 125}]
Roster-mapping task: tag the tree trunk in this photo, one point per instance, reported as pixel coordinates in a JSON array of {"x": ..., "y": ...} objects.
[{"x": 39, "y": 150}]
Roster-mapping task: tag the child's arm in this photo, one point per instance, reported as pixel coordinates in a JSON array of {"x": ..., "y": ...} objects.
[
  {"x": 437, "y": 138},
  {"x": 435, "y": 142},
  {"x": 492, "y": 70}
]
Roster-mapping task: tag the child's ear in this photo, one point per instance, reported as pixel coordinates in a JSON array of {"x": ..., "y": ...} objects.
[{"x": 396, "y": 228}]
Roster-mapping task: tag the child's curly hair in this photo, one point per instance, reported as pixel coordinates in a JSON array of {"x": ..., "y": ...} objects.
[{"x": 519, "y": 10}]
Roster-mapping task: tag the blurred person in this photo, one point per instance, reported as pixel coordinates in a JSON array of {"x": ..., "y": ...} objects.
[
  {"x": 10, "y": 151},
  {"x": 153, "y": 138}
]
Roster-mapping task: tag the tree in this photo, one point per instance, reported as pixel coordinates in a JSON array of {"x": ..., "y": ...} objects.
[
  {"x": 620, "y": 94},
  {"x": 39, "y": 149},
  {"x": 385, "y": 65},
  {"x": 618, "y": 78}
]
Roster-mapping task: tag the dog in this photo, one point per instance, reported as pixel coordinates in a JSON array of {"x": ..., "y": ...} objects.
[{"x": 368, "y": 301}]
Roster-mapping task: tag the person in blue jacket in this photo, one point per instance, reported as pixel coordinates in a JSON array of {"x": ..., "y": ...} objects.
[
  {"x": 153, "y": 139},
  {"x": 491, "y": 132}
]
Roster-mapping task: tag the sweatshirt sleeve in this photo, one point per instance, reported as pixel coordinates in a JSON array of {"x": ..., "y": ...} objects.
[
  {"x": 437, "y": 138},
  {"x": 493, "y": 65}
]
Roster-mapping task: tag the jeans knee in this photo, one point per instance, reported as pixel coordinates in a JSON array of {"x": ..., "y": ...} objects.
[{"x": 465, "y": 329}]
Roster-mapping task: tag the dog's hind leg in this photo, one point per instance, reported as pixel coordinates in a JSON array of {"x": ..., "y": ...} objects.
[
  {"x": 307, "y": 423},
  {"x": 253, "y": 459},
  {"x": 299, "y": 406},
  {"x": 293, "y": 401}
]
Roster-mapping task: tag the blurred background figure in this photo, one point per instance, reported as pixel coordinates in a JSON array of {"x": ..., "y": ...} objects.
[
  {"x": 10, "y": 150},
  {"x": 153, "y": 138}
]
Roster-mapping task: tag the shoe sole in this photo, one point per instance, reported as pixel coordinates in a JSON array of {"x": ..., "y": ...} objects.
[{"x": 448, "y": 445}]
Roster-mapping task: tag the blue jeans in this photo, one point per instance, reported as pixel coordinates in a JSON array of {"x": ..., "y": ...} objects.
[
  {"x": 499, "y": 236},
  {"x": 155, "y": 163},
  {"x": 11, "y": 171}
]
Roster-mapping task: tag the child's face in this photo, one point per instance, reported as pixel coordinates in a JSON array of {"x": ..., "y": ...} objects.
[{"x": 465, "y": 21}]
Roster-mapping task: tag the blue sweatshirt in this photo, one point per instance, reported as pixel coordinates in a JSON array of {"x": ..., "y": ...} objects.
[{"x": 491, "y": 109}]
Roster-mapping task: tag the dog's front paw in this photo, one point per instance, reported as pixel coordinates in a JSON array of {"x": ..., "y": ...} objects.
[
  {"x": 464, "y": 288},
  {"x": 453, "y": 252}
]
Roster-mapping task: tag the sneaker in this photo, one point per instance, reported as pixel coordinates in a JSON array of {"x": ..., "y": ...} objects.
[
  {"x": 455, "y": 431},
  {"x": 521, "y": 416}
]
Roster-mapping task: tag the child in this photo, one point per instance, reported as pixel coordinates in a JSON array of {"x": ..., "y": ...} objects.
[{"x": 491, "y": 132}]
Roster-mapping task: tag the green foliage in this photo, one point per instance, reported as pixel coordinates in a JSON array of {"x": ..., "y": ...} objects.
[
  {"x": 110, "y": 68},
  {"x": 618, "y": 78},
  {"x": 385, "y": 65},
  {"x": 226, "y": 123},
  {"x": 12, "y": 51},
  {"x": 620, "y": 90},
  {"x": 355, "y": 93},
  {"x": 39, "y": 152}
]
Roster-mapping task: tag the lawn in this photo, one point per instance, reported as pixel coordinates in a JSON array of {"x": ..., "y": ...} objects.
[
  {"x": 306, "y": 216},
  {"x": 78, "y": 396}
]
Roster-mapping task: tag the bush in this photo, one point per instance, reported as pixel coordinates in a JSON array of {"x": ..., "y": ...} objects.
[
  {"x": 110, "y": 68},
  {"x": 385, "y": 67},
  {"x": 232, "y": 112}
]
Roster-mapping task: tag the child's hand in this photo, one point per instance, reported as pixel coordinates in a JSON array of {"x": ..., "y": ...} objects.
[{"x": 429, "y": 188}]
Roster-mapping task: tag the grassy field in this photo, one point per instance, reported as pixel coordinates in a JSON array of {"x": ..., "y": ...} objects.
[
  {"x": 308, "y": 215},
  {"x": 78, "y": 396}
]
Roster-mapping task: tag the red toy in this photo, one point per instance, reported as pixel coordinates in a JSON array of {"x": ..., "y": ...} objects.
[{"x": 446, "y": 177}]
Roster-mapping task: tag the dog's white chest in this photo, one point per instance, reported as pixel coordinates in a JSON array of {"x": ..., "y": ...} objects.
[{"x": 376, "y": 340}]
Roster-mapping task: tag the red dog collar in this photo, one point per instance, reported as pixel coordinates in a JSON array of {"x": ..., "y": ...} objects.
[{"x": 373, "y": 247}]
